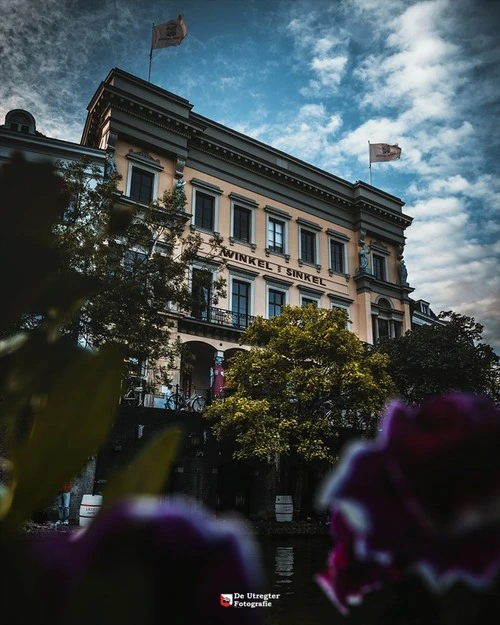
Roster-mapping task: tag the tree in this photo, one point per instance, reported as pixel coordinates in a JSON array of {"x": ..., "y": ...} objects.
[
  {"x": 434, "y": 359},
  {"x": 305, "y": 377},
  {"x": 140, "y": 258}
]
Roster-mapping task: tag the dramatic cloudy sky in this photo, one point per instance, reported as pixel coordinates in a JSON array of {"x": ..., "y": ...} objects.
[{"x": 317, "y": 79}]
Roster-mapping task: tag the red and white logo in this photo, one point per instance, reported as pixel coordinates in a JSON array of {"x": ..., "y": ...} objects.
[{"x": 226, "y": 600}]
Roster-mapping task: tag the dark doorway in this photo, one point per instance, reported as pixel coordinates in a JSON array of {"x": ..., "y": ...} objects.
[{"x": 234, "y": 485}]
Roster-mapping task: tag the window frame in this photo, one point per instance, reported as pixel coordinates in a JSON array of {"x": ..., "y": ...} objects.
[
  {"x": 240, "y": 206},
  {"x": 275, "y": 289},
  {"x": 308, "y": 231},
  {"x": 276, "y": 220},
  {"x": 130, "y": 268},
  {"x": 143, "y": 172},
  {"x": 250, "y": 297},
  {"x": 312, "y": 300},
  {"x": 331, "y": 243},
  {"x": 338, "y": 302},
  {"x": 145, "y": 163},
  {"x": 204, "y": 313},
  {"x": 215, "y": 209},
  {"x": 383, "y": 312},
  {"x": 383, "y": 266}
]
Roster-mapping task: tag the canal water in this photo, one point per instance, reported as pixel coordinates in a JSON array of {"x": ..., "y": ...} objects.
[{"x": 290, "y": 563}]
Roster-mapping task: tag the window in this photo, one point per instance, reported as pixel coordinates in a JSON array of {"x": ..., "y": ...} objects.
[
  {"x": 141, "y": 185},
  {"x": 386, "y": 322},
  {"x": 20, "y": 121},
  {"x": 133, "y": 261},
  {"x": 308, "y": 246},
  {"x": 242, "y": 224},
  {"x": 277, "y": 300},
  {"x": 337, "y": 256},
  {"x": 240, "y": 303},
  {"x": 308, "y": 301},
  {"x": 201, "y": 292},
  {"x": 383, "y": 328},
  {"x": 378, "y": 266},
  {"x": 19, "y": 126},
  {"x": 340, "y": 303},
  {"x": 337, "y": 306},
  {"x": 204, "y": 211},
  {"x": 275, "y": 235}
]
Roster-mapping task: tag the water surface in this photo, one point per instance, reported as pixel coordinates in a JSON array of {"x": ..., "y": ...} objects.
[{"x": 290, "y": 564}]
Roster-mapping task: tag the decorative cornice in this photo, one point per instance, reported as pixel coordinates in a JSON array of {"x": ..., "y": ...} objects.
[{"x": 138, "y": 108}]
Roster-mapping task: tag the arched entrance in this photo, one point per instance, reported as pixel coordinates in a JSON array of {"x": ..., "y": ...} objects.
[{"x": 196, "y": 363}]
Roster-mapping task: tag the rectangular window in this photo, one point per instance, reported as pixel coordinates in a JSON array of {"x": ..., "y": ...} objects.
[
  {"x": 337, "y": 250},
  {"x": 141, "y": 186},
  {"x": 378, "y": 266},
  {"x": 240, "y": 303},
  {"x": 308, "y": 246},
  {"x": 204, "y": 211},
  {"x": 242, "y": 224},
  {"x": 345, "y": 309},
  {"x": 276, "y": 302},
  {"x": 383, "y": 328},
  {"x": 308, "y": 301},
  {"x": 275, "y": 235},
  {"x": 201, "y": 292},
  {"x": 133, "y": 260}
]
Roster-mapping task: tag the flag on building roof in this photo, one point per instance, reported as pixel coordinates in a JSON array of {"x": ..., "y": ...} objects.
[
  {"x": 170, "y": 33},
  {"x": 380, "y": 152}
]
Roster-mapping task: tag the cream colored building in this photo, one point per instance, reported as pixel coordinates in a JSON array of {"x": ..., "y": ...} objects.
[{"x": 294, "y": 234}]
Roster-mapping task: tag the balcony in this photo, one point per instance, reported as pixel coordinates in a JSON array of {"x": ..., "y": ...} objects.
[{"x": 216, "y": 322}]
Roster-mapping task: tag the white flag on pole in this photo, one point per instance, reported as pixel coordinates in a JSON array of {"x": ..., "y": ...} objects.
[
  {"x": 380, "y": 152},
  {"x": 170, "y": 33}
]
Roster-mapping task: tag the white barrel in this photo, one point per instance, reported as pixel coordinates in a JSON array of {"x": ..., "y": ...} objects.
[
  {"x": 284, "y": 508},
  {"x": 90, "y": 506}
]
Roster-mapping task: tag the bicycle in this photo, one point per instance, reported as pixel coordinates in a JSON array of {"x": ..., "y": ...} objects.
[
  {"x": 133, "y": 396},
  {"x": 179, "y": 401}
]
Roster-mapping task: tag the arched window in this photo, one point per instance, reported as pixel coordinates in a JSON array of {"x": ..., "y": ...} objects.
[
  {"x": 386, "y": 321},
  {"x": 20, "y": 121}
]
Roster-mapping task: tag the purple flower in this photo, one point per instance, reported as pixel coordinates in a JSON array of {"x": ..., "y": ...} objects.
[
  {"x": 425, "y": 495},
  {"x": 144, "y": 560},
  {"x": 348, "y": 578}
]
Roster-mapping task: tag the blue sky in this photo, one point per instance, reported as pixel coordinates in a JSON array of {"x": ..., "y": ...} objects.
[{"x": 317, "y": 79}]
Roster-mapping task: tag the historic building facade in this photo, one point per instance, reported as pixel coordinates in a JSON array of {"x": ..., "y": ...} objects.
[{"x": 294, "y": 234}]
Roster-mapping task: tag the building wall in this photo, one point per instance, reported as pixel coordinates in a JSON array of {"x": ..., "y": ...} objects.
[{"x": 151, "y": 130}]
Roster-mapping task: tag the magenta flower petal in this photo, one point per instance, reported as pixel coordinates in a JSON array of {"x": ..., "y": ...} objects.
[
  {"x": 348, "y": 578},
  {"x": 425, "y": 495}
]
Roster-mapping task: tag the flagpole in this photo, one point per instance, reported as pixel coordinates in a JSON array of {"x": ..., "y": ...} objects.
[
  {"x": 369, "y": 165},
  {"x": 151, "y": 53}
]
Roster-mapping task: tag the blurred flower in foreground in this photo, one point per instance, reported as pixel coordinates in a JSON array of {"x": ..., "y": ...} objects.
[
  {"x": 144, "y": 560},
  {"x": 423, "y": 498}
]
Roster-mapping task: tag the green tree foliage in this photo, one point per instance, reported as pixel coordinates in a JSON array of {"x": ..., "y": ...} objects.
[
  {"x": 435, "y": 359},
  {"x": 139, "y": 257},
  {"x": 305, "y": 377},
  {"x": 58, "y": 399}
]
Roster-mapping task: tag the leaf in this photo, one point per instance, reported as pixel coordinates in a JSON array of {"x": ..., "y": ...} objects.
[
  {"x": 68, "y": 429},
  {"x": 32, "y": 369},
  {"x": 149, "y": 469}
]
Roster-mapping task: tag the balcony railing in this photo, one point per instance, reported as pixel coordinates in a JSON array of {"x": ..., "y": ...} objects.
[{"x": 220, "y": 316}]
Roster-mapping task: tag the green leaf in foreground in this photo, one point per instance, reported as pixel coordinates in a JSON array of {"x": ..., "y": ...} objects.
[
  {"x": 75, "y": 420},
  {"x": 148, "y": 472}
]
